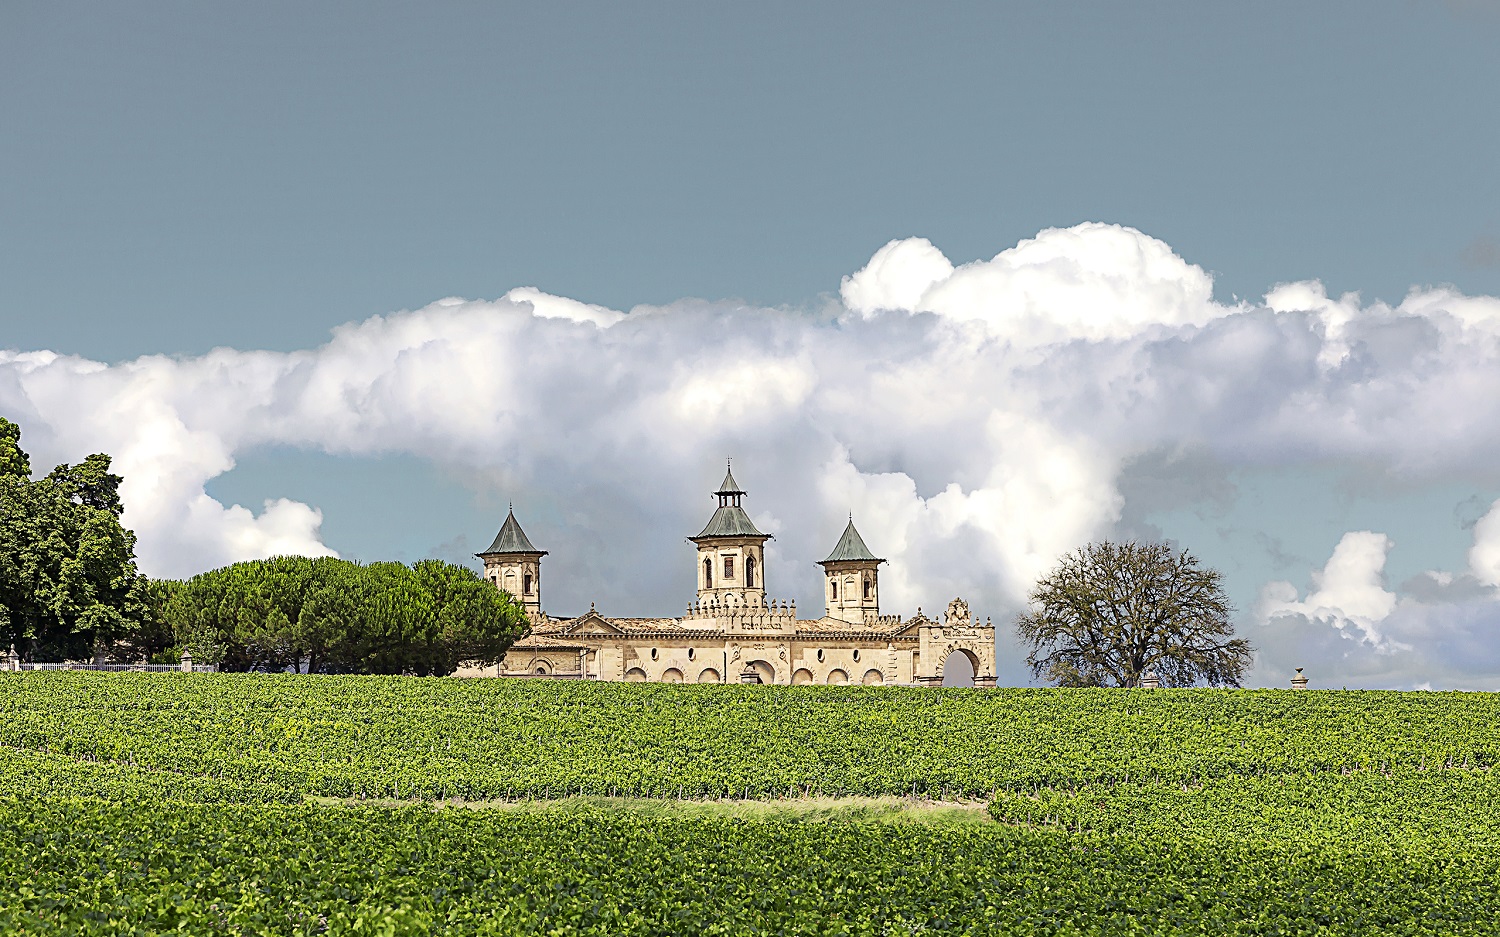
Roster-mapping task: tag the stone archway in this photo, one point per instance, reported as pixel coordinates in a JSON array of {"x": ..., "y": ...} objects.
[
  {"x": 758, "y": 671},
  {"x": 540, "y": 666},
  {"x": 873, "y": 677},
  {"x": 802, "y": 677},
  {"x": 960, "y": 668},
  {"x": 671, "y": 675},
  {"x": 709, "y": 675},
  {"x": 635, "y": 675},
  {"x": 837, "y": 677}
]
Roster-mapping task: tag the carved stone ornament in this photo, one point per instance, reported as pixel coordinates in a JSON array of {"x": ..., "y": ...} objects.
[
  {"x": 735, "y": 648},
  {"x": 958, "y": 610}
]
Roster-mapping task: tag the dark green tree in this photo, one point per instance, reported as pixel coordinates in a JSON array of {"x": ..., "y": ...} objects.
[
  {"x": 68, "y": 582},
  {"x": 154, "y": 641},
  {"x": 328, "y": 615},
  {"x": 1112, "y": 612}
]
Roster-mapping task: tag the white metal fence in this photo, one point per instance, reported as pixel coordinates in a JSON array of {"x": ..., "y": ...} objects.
[{"x": 142, "y": 668}]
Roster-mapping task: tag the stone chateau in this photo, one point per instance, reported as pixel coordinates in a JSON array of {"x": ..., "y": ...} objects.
[{"x": 732, "y": 633}]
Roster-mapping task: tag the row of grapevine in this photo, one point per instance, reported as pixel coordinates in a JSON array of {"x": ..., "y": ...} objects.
[
  {"x": 416, "y": 738},
  {"x": 76, "y": 866},
  {"x": 142, "y": 804}
]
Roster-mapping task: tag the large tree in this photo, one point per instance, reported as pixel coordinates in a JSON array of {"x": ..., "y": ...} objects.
[
  {"x": 1110, "y": 613},
  {"x": 68, "y": 581},
  {"x": 328, "y": 615}
]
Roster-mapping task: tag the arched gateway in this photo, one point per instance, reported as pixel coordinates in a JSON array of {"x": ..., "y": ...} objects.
[{"x": 733, "y": 631}]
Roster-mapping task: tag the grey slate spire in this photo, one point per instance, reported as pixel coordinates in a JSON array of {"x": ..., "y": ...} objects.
[
  {"x": 729, "y": 486},
  {"x": 851, "y": 548},
  {"x": 730, "y": 520},
  {"x": 511, "y": 539}
]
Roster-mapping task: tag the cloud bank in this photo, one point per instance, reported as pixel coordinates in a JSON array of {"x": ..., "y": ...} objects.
[{"x": 976, "y": 419}]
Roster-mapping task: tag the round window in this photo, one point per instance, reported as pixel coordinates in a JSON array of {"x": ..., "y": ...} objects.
[
  {"x": 653, "y": 653},
  {"x": 691, "y": 654},
  {"x": 820, "y": 655},
  {"x": 856, "y": 655}
]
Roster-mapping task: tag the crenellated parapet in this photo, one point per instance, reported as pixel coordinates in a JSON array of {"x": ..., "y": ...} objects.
[{"x": 743, "y": 613}]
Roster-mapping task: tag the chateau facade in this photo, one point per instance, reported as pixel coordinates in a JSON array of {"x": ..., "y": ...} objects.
[{"x": 733, "y": 633}]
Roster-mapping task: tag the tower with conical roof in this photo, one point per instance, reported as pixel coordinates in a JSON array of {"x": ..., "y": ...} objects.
[
  {"x": 731, "y": 552},
  {"x": 513, "y": 564},
  {"x": 852, "y": 579}
]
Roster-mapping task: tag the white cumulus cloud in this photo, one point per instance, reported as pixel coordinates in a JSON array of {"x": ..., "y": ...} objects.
[
  {"x": 1349, "y": 594},
  {"x": 1354, "y": 630},
  {"x": 1092, "y": 281},
  {"x": 976, "y": 419}
]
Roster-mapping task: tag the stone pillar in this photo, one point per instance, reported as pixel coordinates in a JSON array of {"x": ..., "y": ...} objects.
[
  {"x": 13, "y": 661},
  {"x": 187, "y": 662},
  {"x": 1299, "y": 682},
  {"x": 1150, "y": 681}
]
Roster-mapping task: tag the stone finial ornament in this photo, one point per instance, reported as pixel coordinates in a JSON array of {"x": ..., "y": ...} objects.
[
  {"x": 1150, "y": 681},
  {"x": 1299, "y": 682}
]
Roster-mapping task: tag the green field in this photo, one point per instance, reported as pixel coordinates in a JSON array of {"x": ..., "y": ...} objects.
[{"x": 245, "y": 804}]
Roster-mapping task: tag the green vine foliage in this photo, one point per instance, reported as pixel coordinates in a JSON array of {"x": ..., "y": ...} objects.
[
  {"x": 257, "y": 804},
  {"x": 378, "y": 737}
]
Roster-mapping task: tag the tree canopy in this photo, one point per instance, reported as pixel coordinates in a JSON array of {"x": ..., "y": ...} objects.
[
  {"x": 328, "y": 615},
  {"x": 1112, "y": 612},
  {"x": 68, "y": 579}
]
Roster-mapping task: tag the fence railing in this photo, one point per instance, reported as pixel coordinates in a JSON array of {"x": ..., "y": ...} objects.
[{"x": 138, "y": 668}]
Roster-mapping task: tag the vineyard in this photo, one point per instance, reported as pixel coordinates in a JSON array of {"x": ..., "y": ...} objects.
[{"x": 254, "y": 804}]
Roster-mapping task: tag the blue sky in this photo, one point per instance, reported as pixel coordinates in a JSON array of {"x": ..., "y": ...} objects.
[{"x": 177, "y": 178}]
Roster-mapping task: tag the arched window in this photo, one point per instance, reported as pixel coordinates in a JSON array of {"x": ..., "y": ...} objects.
[
  {"x": 749, "y": 571},
  {"x": 527, "y": 584},
  {"x": 728, "y": 567},
  {"x": 835, "y": 590},
  {"x": 869, "y": 588},
  {"x": 708, "y": 573}
]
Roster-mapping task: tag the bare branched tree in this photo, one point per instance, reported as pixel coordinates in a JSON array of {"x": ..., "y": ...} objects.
[{"x": 1113, "y": 612}]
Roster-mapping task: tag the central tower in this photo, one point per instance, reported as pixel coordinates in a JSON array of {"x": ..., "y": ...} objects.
[{"x": 731, "y": 552}]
